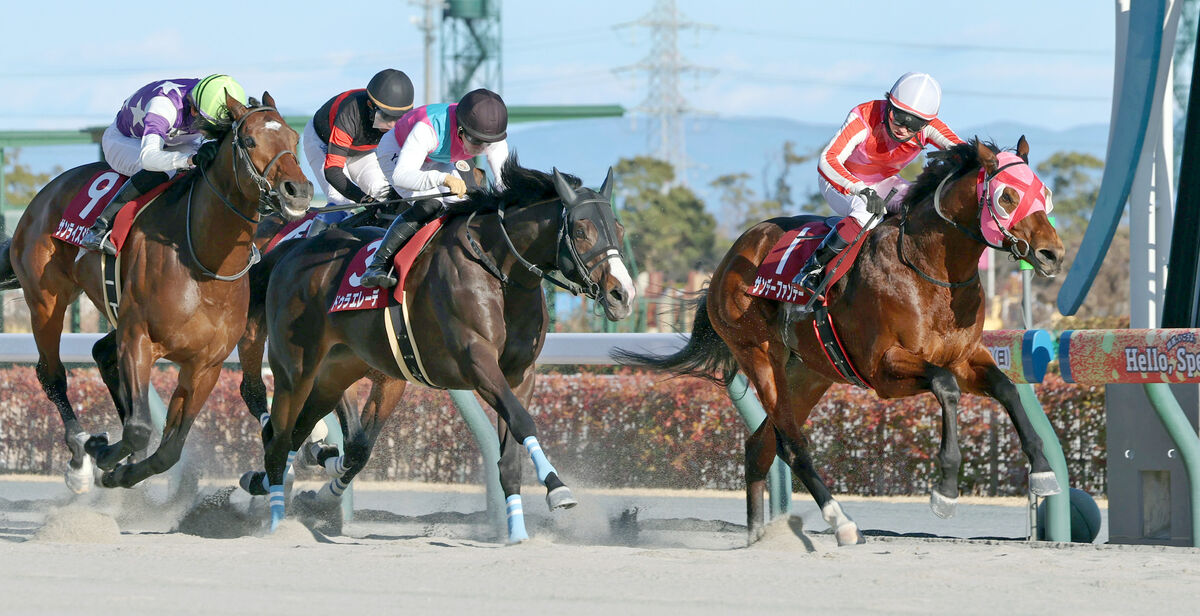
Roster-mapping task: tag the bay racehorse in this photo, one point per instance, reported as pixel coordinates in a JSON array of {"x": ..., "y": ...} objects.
[
  {"x": 910, "y": 312},
  {"x": 183, "y": 289},
  {"x": 478, "y": 316}
]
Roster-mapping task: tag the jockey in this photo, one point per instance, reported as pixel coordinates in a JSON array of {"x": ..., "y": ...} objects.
[
  {"x": 865, "y": 157},
  {"x": 340, "y": 140},
  {"x": 159, "y": 131},
  {"x": 419, "y": 155}
]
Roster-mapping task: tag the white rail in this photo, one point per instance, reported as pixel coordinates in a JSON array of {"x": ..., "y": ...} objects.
[{"x": 594, "y": 349}]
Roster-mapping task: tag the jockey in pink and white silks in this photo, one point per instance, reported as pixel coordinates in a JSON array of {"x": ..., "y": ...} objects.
[
  {"x": 864, "y": 159},
  {"x": 158, "y": 131},
  {"x": 419, "y": 157}
]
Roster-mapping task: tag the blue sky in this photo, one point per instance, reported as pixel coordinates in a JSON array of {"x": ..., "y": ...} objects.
[{"x": 1042, "y": 63}]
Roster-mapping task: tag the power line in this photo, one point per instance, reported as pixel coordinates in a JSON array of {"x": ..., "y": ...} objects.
[
  {"x": 772, "y": 77},
  {"x": 792, "y": 36}
]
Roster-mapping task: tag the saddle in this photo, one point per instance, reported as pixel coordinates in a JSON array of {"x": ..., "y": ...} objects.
[{"x": 774, "y": 277}]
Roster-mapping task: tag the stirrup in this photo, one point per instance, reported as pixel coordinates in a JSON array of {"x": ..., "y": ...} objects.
[
  {"x": 377, "y": 277},
  {"x": 99, "y": 242}
]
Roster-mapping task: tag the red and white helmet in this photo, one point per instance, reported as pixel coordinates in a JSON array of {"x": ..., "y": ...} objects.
[{"x": 918, "y": 94}]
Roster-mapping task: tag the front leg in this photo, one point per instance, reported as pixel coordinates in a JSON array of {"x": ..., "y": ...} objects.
[{"x": 986, "y": 378}]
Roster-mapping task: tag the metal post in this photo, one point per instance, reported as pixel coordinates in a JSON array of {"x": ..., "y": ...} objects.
[
  {"x": 1186, "y": 441},
  {"x": 489, "y": 446},
  {"x": 336, "y": 438},
  {"x": 779, "y": 481},
  {"x": 1058, "y": 506}
]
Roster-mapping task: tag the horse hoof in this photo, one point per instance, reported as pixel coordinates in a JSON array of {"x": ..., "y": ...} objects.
[
  {"x": 79, "y": 480},
  {"x": 320, "y": 511},
  {"x": 95, "y": 443},
  {"x": 109, "y": 479},
  {"x": 276, "y": 518},
  {"x": 253, "y": 483},
  {"x": 943, "y": 507},
  {"x": 847, "y": 534},
  {"x": 1044, "y": 483},
  {"x": 560, "y": 498},
  {"x": 517, "y": 535}
]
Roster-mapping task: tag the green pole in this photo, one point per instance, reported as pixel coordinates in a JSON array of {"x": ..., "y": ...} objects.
[
  {"x": 779, "y": 480},
  {"x": 1058, "y": 506},
  {"x": 489, "y": 446},
  {"x": 1184, "y": 435}
]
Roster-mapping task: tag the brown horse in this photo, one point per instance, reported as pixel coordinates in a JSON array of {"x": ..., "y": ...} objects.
[
  {"x": 183, "y": 294},
  {"x": 911, "y": 315},
  {"x": 478, "y": 318}
]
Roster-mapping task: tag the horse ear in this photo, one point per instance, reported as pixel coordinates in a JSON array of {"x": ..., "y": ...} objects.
[
  {"x": 1023, "y": 149},
  {"x": 236, "y": 108},
  {"x": 987, "y": 158},
  {"x": 267, "y": 99},
  {"x": 607, "y": 187},
  {"x": 565, "y": 192}
]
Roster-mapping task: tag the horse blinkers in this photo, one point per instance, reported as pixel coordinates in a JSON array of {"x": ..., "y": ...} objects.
[{"x": 577, "y": 209}]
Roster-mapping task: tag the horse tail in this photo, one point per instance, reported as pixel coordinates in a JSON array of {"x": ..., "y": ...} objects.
[
  {"x": 706, "y": 355},
  {"x": 8, "y": 276}
]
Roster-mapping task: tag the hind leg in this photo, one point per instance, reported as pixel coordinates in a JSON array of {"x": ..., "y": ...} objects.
[
  {"x": 794, "y": 452},
  {"x": 47, "y": 311},
  {"x": 760, "y": 454}
]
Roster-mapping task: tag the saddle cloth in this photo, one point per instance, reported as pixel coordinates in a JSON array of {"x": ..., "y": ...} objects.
[
  {"x": 774, "y": 277},
  {"x": 86, "y": 205},
  {"x": 352, "y": 295}
]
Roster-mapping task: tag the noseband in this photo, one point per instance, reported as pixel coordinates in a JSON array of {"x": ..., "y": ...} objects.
[{"x": 268, "y": 196}]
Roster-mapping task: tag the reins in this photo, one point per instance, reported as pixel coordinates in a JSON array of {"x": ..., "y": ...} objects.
[{"x": 266, "y": 193}]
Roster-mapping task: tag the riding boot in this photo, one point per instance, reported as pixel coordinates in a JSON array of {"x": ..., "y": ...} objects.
[
  {"x": 96, "y": 239},
  {"x": 406, "y": 225},
  {"x": 813, "y": 272}
]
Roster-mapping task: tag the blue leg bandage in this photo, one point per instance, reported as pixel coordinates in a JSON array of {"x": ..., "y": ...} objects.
[
  {"x": 516, "y": 519},
  {"x": 543, "y": 466}
]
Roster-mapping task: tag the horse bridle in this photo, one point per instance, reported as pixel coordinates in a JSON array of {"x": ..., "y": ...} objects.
[
  {"x": 985, "y": 203},
  {"x": 268, "y": 196},
  {"x": 568, "y": 260}
]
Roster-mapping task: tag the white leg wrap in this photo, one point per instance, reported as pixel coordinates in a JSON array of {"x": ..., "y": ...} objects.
[{"x": 336, "y": 467}]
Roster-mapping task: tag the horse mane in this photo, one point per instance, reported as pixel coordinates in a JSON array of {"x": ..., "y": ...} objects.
[
  {"x": 218, "y": 130},
  {"x": 521, "y": 187},
  {"x": 958, "y": 160}
]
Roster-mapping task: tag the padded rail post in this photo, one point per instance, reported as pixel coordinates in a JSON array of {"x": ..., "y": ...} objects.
[
  {"x": 1186, "y": 440},
  {"x": 1058, "y": 506},
  {"x": 489, "y": 447},
  {"x": 779, "y": 480}
]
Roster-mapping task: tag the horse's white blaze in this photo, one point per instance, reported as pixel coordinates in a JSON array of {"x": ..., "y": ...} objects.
[
  {"x": 272, "y": 125},
  {"x": 618, "y": 271}
]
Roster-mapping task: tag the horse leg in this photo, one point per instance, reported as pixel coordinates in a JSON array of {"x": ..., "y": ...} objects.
[
  {"x": 760, "y": 454},
  {"x": 47, "y": 311},
  {"x": 107, "y": 361},
  {"x": 510, "y": 482},
  {"x": 195, "y": 384},
  {"x": 495, "y": 390},
  {"x": 985, "y": 378},
  {"x": 793, "y": 451},
  {"x": 943, "y": 499},
  {"x": 250, "y": 353},
  {"x": 294, "y": 380},
  {"x": 136, "y": 361}
]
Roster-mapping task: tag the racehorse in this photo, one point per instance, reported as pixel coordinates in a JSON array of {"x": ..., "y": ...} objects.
[
  {"x": 478, "y": 318},
  {"x": 911, "y": 312},
  {"x": 183, "y": 290}
]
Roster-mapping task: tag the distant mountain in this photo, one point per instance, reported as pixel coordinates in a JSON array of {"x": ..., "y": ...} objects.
[{"x": 718, "y": 146}]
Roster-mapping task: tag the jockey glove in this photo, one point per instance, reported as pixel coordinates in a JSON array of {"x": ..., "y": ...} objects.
[
  {"x": 207, "y": 152},
  {"x": 456, "y": 185},
  {"x": 875, "y": 203}
]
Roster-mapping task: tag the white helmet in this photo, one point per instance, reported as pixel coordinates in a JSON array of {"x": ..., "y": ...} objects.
[{"x": 918, "y": 94}]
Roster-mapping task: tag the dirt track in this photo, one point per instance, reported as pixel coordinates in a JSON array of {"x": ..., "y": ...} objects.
[{"x": 445, "y": 563}]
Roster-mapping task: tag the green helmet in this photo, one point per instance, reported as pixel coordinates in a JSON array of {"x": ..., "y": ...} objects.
[{"x": 209, "y": 96}]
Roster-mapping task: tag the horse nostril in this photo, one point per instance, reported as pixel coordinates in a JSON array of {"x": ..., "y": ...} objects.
[
  {"x": 617, "y": 295},
  {"x": 1048, "y": 256},
  {"x": 289, "y": 188}
]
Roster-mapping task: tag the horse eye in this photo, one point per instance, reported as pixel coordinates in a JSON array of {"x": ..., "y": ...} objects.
[
  {"x": 248, "y": 142},
  {"x": 580, "y": 233}
]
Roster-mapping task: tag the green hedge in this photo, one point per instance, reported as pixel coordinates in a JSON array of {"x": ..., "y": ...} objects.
[{"x": 624, "y": 429}]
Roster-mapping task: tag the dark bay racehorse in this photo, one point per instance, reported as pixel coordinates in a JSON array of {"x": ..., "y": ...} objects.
[
  {"x": 478, "y": 317},
  {"x": 910, "y": 314},
  {"x": 183, "y": 293}
]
